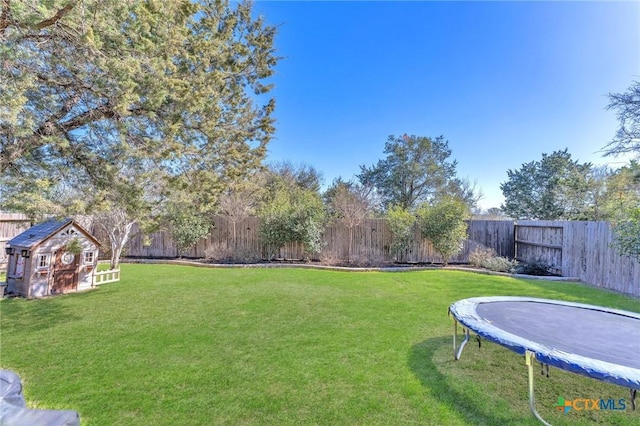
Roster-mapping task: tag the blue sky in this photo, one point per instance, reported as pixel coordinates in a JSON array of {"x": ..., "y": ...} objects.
[{"x": 502, "y": 81}]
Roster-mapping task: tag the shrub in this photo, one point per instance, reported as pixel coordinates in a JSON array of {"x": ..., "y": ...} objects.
[
  {"x": 535, "y": 267},
  {"x": 480, "y": 256},
  {"x": 292, "y": 214},
  {"x": 401, "y": 224},
  {"x": 223, "y": 253},
  {"x": 501, "y": 264},
  {"x": 443, "y": 224},
  {"x": 187, "y": 227},
  {"x": 627, "y": 236},
  {"x": 486, "y": 258}
]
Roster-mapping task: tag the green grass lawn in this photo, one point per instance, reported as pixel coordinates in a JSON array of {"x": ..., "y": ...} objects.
[{"x": 179, "y": 345}]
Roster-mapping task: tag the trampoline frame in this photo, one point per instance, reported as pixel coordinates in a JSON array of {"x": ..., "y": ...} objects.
[{"x": 464, "y": 312}]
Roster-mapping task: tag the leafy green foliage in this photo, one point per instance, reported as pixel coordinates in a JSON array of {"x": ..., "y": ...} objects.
[
  {"x": 443, "y": 224},
  {"x": 550, "y": 189},
  {"x": 107, "y": 106},
  {"x": 159, "y": 79},
  {"x": 290, "y": 212},
  {"x": 622, "y": 192},
  {"x": 535, "y": 267},
  {"x": 98, "y": 88},
  {"x": 626, "y": 204},
  {"x": 187, "y": 227},
  {"x": 74, "y": 246},
  {"x": 627, "y": 235},
  {"x": 401, "y": 223},
  {"x": 416, "y": 169}
]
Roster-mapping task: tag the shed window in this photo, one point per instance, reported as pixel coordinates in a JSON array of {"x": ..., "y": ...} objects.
[
  {"x": 43, "y": 260},
  {"x": 88, "y": 257}
]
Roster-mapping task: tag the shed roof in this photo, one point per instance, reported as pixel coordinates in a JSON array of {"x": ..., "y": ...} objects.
[{"x": 42, "y": 231}]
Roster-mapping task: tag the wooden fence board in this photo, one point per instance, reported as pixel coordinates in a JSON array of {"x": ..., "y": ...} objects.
[
  {"x": 539, "y": 241},
  {"x": 585, "y": 252}
]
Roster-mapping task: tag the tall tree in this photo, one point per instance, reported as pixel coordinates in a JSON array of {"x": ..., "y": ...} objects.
[
  {"x": 301, "y": 175},
  {"x": 176, "y": 84},
  {"x": 622, "y": 193},
  {"x": 416, "y": 169},
  {"x": 98, "y": 95},
  {"x": 627, "y": 107},
  {"x": 546, "y": 189}
]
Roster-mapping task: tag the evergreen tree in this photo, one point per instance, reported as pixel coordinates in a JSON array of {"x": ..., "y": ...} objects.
[{"x": 416, "y": 169}]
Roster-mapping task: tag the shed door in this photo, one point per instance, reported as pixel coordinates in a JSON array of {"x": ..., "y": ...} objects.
[{"x": 65, "y": 272}]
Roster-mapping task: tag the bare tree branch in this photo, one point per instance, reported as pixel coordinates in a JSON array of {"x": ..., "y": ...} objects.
[
  {"x": 55, "y": 18},
  {"x": 6, "y": 20}
]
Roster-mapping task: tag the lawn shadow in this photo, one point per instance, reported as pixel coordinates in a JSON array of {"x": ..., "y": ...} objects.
[
  {"x": 428, "y": 371},
  {"x": 22, "y": 315}
]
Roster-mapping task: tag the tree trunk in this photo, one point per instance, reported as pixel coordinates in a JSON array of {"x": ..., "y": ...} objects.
[{"x": 118, "y": 237}]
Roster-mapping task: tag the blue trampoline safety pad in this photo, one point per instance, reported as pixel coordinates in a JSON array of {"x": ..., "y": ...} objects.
[{"x": 594, "y": 341}]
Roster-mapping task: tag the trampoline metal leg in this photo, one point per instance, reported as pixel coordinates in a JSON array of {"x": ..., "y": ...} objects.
[
  {"x": 530, "y": 359},
  {"x": 457, "y": 352}
]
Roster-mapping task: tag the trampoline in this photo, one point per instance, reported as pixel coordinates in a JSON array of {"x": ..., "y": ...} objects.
[{"x": 594, "y": 341}]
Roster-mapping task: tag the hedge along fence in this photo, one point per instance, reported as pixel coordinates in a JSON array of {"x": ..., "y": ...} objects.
[
  {"x": 575, "y": 249},
  {"x": 370, "y": 243}
]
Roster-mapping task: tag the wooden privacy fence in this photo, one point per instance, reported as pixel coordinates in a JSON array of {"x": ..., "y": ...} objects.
[
  {"x": 574, "y": 249},
  {"x": 11, "y": 224},
  {"x": 367, "y": 243},
  {"x": 579, "y": 249},
  {"x": 539, "y": 240}
]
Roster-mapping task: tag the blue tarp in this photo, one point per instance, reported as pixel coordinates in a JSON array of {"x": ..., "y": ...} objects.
[{"x": 14, "y": 411}]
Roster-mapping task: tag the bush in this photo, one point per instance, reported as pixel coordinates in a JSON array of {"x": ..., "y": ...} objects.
[
  {"x": 187, "y": 226},
  {"x": 501, "y": 264},
  {"x": 401, "y": 223},
  {"x": 293, "y": 214},
  {"x": 627, "y": 236},
  {"x": 443, "y": 224},
  {"x": 535, "y": 267},
  {"x": 479, "y": 256},
  {"x": 486, "y": 258}
]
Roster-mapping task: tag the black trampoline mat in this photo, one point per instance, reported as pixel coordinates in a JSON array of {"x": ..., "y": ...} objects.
[{"x": 591, "y": 333}]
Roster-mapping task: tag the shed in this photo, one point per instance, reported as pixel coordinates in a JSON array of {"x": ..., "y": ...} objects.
[{"x": 51, "y": 258}]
